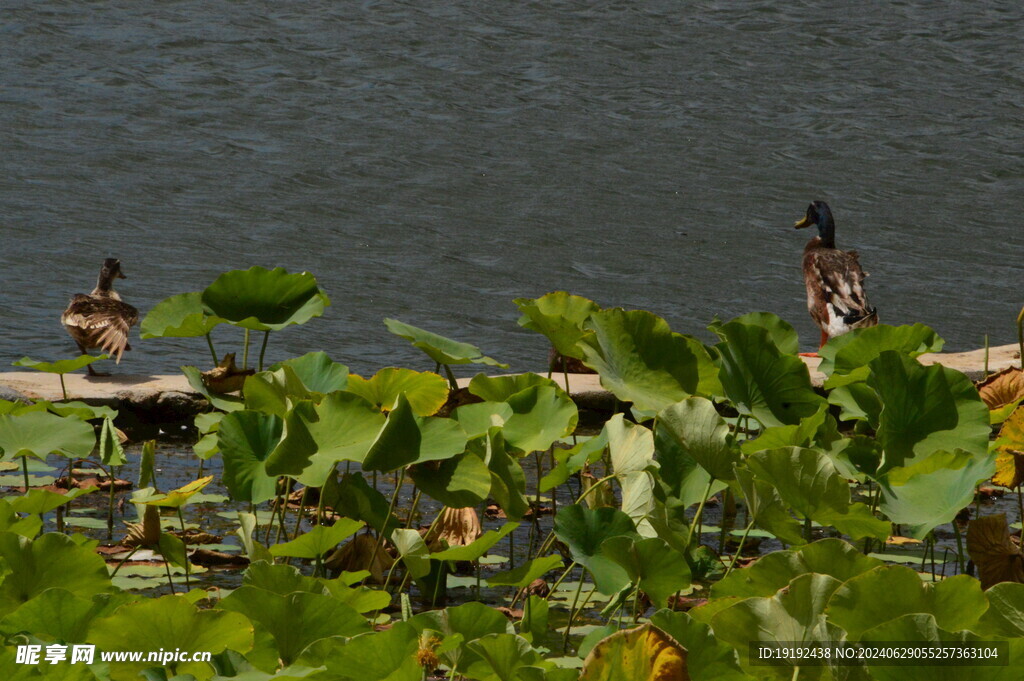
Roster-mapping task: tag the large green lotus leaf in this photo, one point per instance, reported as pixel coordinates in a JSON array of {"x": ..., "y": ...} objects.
[
  {"x": 459, "y": 482},
  {"x": 679, "y": 474},
  {"x": 584, "y": 530},
  {"x": 775, "y": 570},
  {"x": 442, "y": 438},
  {"x": 1005, "y": 615},
  {"x": 645, "y": 653},
  {"x": 500, "y": 657},
  {"x": 699, "y": 432},
  {"x": 180, "y": 316},
  {"x": 59, "y": 614},
  {"x": 654, "y": 566},
  {"x": 345, "y": 428},
  {"x": 52, "y": 560},
  {"x": 318, "y": 372},
  {"x": 540, "y": 416},
  {"x": 280, "y": 579},
  {"x": 570, "y": 461},
  {"x": 795, "y": 613},
  {"x": 222, "y": 402},
  {"x": 760, "y": 379},
  {"x": 246, "y": 439},
  {"x": 642, "y": 361},
  {"x": 500, "y": 388},
  {"x": 843, "y": 357},
  {"x": 524, "y": 575},
  {"x": 317, "y": 541},
  {"x": 10, "y": 521},
  {"x": 426, "y": 391},
  {"x": 75, "y": 408},
  {"x": 817, "y": 430},
  {"x": 296, "y": 447},
  {"x": 413, "y": 551},
  {"x": 780, "y": 332},
  {"x": 62, "y": 366},
  {"x": 440, "y": 349},
  {"x": 264, "y": 300},
  {"x": 170, "y": 623},
  {"x": 477, "y": 548},
  {"x": 362, "y": 599},
  {"x": 957, "y": 602},
  {"x": 389, "y": 655},
  {"x": 273, "y": 392},
  {"x": 38, "y": 433},
  {"x": 857, "y": 402},
  {"x": 630, "y": 446},
  {"x": 40, "y": 501},
  {"x": 508, "y": 482},
  {"x": 707, "y": 659},
  {"x": 767, "y": 509},
  {"x": 398, "y": 442},
  {"x": 297, "y": 619},
  {"x": 931, "y": 491},
  {"x": 638, "y": 501},
  {"x": 807, "y": 481},
  {"x": 922, "y": 628},
  {"x": 471, "y": 621},
  {"x": 560, "y": 317},
  {"x": 925, "y": 409},
  {"x": 478, "y": 418},
  {"x": 353, "y": 497},
  {"x": 109, "y": 448}
]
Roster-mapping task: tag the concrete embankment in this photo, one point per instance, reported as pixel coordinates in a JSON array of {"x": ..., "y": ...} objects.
[{"x": 160, "y": 401}]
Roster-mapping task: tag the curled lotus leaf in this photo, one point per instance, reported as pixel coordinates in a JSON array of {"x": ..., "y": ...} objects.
[
  {"x": 425, "y": 391},
  {"x": 439, "y": 348},
  {"x": 1010, "y": 452},
  {"x": 180, "y": 316},
  {"x": 998, "y": 557},
  {"x": 645, "y": 653},
  {"x": 560, "y": 316},
  {"x": 264, "y": 300}
]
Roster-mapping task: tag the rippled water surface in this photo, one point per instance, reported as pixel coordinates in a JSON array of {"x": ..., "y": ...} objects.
[{"x": 430, "y": 161}]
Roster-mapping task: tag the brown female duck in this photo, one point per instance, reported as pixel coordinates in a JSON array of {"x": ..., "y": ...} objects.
[
  {"x": 101, "y": 320},
  {"x": 834, "y": 279}
]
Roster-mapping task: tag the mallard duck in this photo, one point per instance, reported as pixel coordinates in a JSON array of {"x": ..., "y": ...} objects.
[
  {"x": 834, "y": 279},
  {"x": 101, "y": 320}
]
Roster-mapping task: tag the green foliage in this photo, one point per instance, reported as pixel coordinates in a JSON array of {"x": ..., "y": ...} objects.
[
  {"x": 40, "y": 433},
  {"x": 264, "y": 300},
  {"x": 561, "y": 317},
  {"x": 62, "y": 366},
  {"x": 440, "y": 349},
  {"x": 180, "y": 316}
]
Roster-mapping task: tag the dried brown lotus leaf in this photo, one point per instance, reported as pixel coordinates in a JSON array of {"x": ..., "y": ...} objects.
[
  {"x": 456, "y": 526},
  {"x": 146, "y": 533},
  {"x": 1010, "y": 451},
  {"x": 1002, "y": 387},
  {"x": 997, "y": 555},
  {"x": 357, "y": 554}
]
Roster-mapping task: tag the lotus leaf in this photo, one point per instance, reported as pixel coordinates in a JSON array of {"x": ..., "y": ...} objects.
[
  {"x": 645, "y": 653},
  {"x": 817, "y": 430},
  {"x": 1005, "y": 615},
  {"x": 62, "y": 366},
  {"x": 932, "y": 490},
  {"x": 459, "y": 482},
  {"x": 679, "y": 475},
  {"x": 796, "y": 613},
  {"x": 630, "y": 446},
  {"x": 426, "y": 391},
  {"x": 389, "y": 655},
  {"x": 10, "y": 521},
  {"x": 39, "y": 433},
  {"x": 926, "y": 409},
  {"x": 345, "y": 427},
  {"x": 40, "y": 501},
  {"x": 760, "y": 379},
  {"x": 1010, "y": 448},
  {"x": 294, "y": 451},
  {"x": 500, "y": 388},
  {"x": 297, "y": 619},
  {"x": 470, "y": 621},
  {"x": 956, "y": 602},
  {"x": 775, "y": 570},
  {"x": 180, "y": 316},
  {"x": 280, "y": 579},
  {"x": 264, "y": 300},
  {"x": 780, "y": 332},
  {"x": 540, "y": 416},
  {"x": 571, "y": 461},
  {"x": 353, "y": 498},
  {"x": 843, "y": 357},
  {"x": 642, "y": 361},
  {"x": 701, "y": 435},
  {"x": 500, "y": 657},
  {"x": 246, "y": 439},
  {"x": 584, "y": 531},
  {"x": 508, "y": 482},
  {"x": 169, "y": 623},
  {"x": 998, "y": 558},
  {"x": 477, "y": 548},
  {"x": 440, "y": 349},
  {"x": 274, "y": 392},
  {"x": 175, "y": 498},
  {"x": 52, "y": 560},
  {"x": 318, "y": 372},
  {"x": 707, "y": 659},
  {"x": 318, "y": 541},
  {"x": 560, "y": 317},
  {"x": 413, "y": 551},
  {"x": 477, "y": 418},
  {"x": 398, "y": 442},
  {"x": 656, "y": 568},
  {"x": 767, "y": 509},
  {"x": 525, "y": 574},
  {"x": 59, "y": 614}
]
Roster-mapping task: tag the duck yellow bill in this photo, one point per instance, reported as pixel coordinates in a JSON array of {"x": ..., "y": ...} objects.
[{"x": 803, "y": 222}]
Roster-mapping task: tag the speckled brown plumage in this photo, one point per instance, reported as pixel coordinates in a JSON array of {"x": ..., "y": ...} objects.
[{"x": 101, "y": 320}]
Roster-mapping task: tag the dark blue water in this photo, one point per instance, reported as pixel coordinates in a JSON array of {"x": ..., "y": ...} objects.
[{"x": 430, "y": 161}]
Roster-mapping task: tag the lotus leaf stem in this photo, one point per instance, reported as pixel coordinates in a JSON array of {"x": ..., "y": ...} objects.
[
  {"x": 181, "y": 521},
  {"x": 24, "y": 471},
  {"x": 572, "y": 616},
  {"x": 167, "y": 567},
  {"x": 985, "y": 374},
  {"x": 451, "y": 377},
  {"x": 263, "y": 349},
  {"x": 302, "y": 509},
  {"x": 700, "y": 512},
  {"x": 213, "y": 353},
  {"x": 123, "y": 561},
  {"x": 63, "y": 389},
  {"x": 391, "y": 509},
  {"x": 959, "y": 548},
  {"x": 245, "y": 351},
  {"x": 110, "y": 506},
  {"x": 739, "y": 550}
]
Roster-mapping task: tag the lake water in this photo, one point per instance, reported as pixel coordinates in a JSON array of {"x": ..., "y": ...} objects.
[{"x": 431, "y": 161}]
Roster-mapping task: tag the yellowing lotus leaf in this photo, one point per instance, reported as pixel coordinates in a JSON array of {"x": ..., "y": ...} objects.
[
  {"x": 998, "y": 557},
  {"x": 642, "y": 654}
]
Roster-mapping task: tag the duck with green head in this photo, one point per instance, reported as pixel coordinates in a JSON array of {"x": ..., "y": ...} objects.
[{"x": 834, "y": 279}]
